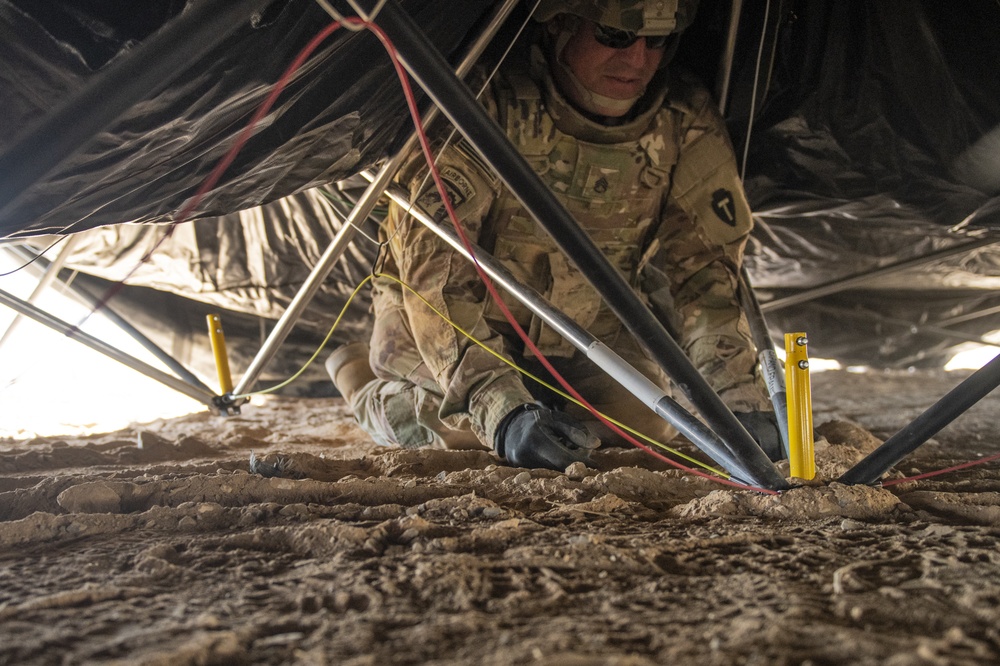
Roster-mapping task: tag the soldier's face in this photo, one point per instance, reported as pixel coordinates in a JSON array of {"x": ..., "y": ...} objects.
[{"x": 616, "y": 73}]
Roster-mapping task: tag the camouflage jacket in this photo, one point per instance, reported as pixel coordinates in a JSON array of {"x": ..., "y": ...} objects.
[{"x": 659, "y": 194}]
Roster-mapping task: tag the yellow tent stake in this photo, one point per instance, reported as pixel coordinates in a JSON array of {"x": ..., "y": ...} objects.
[
  {"x": 802, "y": 455},
  {"x": 218, "y": 339}
]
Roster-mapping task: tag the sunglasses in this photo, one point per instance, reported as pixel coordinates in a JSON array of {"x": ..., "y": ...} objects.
[{"x": 615, "y": 38}]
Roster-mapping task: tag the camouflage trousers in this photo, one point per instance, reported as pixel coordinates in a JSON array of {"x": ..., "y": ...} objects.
[{"x": 402, "y": 407}]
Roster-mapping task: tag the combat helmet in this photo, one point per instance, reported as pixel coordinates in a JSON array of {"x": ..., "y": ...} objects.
[{"x": 643, "y": 17}]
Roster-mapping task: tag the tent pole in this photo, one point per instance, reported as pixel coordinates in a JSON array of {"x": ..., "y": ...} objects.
[
  {"x": 166, "y": 359},
  {"x": 56, "y": 324},
  {"x": 969, "y": 316},
  {"x": 113, "y": 90},
  {"x": 427, "y": 66},
  {"x": 726, "y": 61},
  {"x": 635, "y": 382},
  {"x": 314, "y": 281},
  {"x": 931, "y": 329},
  {"x": 774, "y": 377},
  {"x": 365, "y": 205},
  {"x": 90, "y": 299},
  {"x": 955, "y": 403},
  {"x": 866, "y": 278},
  {"x": 48, "y": 276}
]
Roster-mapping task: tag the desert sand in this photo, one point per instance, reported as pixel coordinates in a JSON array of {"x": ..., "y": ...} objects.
[{"x": 157, "y": 545}]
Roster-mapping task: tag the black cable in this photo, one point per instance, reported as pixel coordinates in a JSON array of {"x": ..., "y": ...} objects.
[{"x": 35, "y": 258}]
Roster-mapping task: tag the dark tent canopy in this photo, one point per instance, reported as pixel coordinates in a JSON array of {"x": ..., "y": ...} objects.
[{"x": 873, "y": 162}]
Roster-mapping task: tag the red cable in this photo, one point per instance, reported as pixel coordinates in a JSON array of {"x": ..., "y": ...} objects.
[
  {"x": 213, "y": 178},
  {"x": 896, "y": 482},
  {"x": 425, "y": 146},
  {"x": 244, "y": 136}
]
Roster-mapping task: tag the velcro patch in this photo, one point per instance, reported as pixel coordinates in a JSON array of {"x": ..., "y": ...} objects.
[
  {"x": 459, "y": 189},
  {"x": 724, "y": 206}
]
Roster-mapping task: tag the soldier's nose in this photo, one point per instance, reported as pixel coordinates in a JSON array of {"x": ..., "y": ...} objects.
[{"x": 636, "y": 54}]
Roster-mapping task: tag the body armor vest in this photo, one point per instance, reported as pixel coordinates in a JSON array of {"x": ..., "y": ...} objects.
[{"x": 612, "y": 180}]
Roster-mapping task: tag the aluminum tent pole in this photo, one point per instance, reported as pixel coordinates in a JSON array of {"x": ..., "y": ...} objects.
[
  {"x": 56, "y": 324},
  {"x": 604, "y": 357},
  {"x": 428, "y": 67},
  {"x": 49, "y": 274},
  {"x": 114, "y": 89},
  {"x": 92, "y": 300},
  {"x": 774, "y": 377},
  {"x": 969, "y": 316},
  {"x": 844, "y": 284},
  {"x": 726, "y": 63},
  {"x": 365, "y": 205},
  {"x": 912, "y": 328},
  {"x": 161, "y": 355},
  {"x": 955, "y": 403},
  {"x": 341, "y": 241}
]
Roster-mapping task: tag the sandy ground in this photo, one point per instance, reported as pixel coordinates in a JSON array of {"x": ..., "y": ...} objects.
[{"x": 157, "y": 545}]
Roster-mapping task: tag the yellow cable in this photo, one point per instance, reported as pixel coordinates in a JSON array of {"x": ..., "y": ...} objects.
[
  {"x": 502, "y": 358},
  {"x": 313, "y": 357},
  {"x": 546, "y": 384}
]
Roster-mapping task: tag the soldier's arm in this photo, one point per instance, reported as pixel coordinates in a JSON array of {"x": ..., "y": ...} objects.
[
  {"x": 705, "y": 226},
  {"x": 476, "y": 385}
]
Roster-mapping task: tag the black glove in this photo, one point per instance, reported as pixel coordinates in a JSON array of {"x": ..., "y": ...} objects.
[
  {"x": 533, "y": 436},
  {"x": 763, "y": 427}
]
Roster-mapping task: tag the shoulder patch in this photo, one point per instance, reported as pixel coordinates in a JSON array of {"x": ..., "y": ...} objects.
[
  {"x": 458, "y": 187},
  {"x": 724, "y": 206}
]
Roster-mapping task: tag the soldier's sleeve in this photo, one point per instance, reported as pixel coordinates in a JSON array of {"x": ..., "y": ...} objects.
[
  {"x": 478, "y": 388},
  {"x": 705, "y": 226}
]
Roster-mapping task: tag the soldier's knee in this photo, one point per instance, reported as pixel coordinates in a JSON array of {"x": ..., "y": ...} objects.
[
  {"x": 389, "y": 412},
  {"x": 402, "y": 415}
]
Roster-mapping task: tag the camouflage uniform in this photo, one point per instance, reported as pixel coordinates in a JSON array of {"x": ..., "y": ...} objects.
[{"x": 660, "y": 195}]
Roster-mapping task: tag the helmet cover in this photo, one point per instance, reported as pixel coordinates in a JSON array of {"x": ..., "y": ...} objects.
[{"x": 643, "y": 17}]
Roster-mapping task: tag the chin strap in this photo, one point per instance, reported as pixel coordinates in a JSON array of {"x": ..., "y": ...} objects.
[{"x": 595, "y": 103}]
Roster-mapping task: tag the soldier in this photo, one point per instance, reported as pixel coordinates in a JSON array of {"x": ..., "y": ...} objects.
[{"x": 639, "y": 156}]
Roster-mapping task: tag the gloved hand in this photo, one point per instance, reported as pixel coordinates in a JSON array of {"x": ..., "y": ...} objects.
[
  {"x": 763, "y": 427},
  {"x": 533, "y": 436}
]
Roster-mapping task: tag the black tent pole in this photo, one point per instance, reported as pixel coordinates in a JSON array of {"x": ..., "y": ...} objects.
[
  {"x": 429, "y": 68},
  {"x": 597, "y": 352},
  {"x": 955, "y": 403},
  {"x": 114, "y": 89}
]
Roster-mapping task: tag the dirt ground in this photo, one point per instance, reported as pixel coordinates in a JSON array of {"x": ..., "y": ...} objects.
[{"x": 157, "y": 545}]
